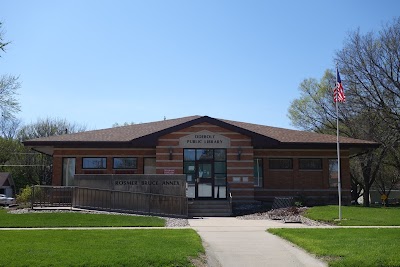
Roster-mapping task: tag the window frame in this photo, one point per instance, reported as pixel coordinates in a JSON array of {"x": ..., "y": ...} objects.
[
  {"x": 311, "y": 169},
  {"x": 280, "y": 169},
  {"x": 88, "y": 168},
  {"x": 131, "y": 168}
]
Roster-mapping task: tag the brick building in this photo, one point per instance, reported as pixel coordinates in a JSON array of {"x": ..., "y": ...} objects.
[{"x": 218, "y": 157}]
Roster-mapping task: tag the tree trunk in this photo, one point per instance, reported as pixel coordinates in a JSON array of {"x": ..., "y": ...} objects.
[{"x": 366, "y": 196}]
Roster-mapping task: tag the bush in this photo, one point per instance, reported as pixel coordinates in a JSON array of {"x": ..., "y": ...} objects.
[{"x": 25, "y": 195}]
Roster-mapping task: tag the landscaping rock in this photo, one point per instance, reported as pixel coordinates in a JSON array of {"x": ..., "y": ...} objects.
[{"x": 287, "y": 215}]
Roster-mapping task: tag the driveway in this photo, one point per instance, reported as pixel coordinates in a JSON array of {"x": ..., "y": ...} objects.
[{"x": 232, "y": 242}]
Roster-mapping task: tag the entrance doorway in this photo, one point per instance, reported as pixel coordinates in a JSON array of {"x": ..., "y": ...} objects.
[{"x": 205, "y": 171}]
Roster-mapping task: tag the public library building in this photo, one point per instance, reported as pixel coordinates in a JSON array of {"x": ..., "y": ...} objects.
[{"x": 218, "y": 158}]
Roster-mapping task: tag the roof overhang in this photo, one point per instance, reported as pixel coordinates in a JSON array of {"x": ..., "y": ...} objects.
[{"x": 259, "y": 141}]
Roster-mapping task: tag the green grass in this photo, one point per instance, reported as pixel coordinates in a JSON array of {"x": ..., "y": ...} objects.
[
  {"x": 75, "y": 219},
  {"x": 348, "y": 247},
  {"x": 356, "y": 216},
  {"x": 157, "y": 247}
]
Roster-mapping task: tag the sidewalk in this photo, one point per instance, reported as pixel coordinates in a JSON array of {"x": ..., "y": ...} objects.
[{"x": 232, "y": 242}]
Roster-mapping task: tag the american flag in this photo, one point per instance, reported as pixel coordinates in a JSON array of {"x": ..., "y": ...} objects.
[{"x": 338, "y": 92}]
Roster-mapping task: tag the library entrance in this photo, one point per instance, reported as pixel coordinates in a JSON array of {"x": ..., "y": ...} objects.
[{"x": 205, "y": 171}]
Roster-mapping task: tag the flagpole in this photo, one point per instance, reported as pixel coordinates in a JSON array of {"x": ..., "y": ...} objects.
[{"x": 338, "y": 149}]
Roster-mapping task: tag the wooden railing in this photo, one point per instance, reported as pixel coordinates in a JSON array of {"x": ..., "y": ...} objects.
[{"x": 109, "y": 200}]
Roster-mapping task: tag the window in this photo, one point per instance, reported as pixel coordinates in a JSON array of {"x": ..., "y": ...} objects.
[
  {"x": 280, "y": 164},
  {"x": 333, "y": 173},
  {"x": 204, "y": 154},
  {"x": 189, "y": 154},
  {"x": 125, "y": 163},
  {"x": 94, "y": 163},
  {"x": 258, "y": 172},
  {"x": 68, "y": 171},
  {"x": 310, "y": 164},
  {"x": 220, "y": 163},
  {"x": 220, "y": 154}
]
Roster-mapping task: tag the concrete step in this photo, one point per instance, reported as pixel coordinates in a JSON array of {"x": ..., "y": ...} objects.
[
  {"x": 209, "y": 208},
  {"x": 207, "y": 214}
]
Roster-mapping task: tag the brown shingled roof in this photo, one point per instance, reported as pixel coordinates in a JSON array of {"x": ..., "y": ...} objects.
[
  {"x": 294, "y": 136},
  {"x": 137, "y": 134},
  {"x": 116, "y": 134}
]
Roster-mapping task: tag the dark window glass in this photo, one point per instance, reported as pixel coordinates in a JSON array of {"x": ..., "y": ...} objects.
[
  {"x": 204, "y": 154},
  {"x": 204, "y": 170},
  {"x": 189, "y": 154},
  {"x": 125, "y": 163},
  {"x": 220, "y": 179},
  {"x": 190, "y": 178},
  {"x": 219, "y": 167},
  {"x": 280, "y": 164},
  {"x": 220, "y": 154},
  {"x": 94, "y": 163},
  {"x": 333, "y": 173},
  {"x": 189, "y": 167},
  {"x": 310, "y": 164}
]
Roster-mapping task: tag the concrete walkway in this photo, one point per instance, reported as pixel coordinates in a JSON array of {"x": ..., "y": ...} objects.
[{"x": 232, "y": 242}]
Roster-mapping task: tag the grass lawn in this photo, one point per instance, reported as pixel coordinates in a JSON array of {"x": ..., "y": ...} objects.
[
  {"x": 157, "y": 247},
  {"x": 348, "y": 247},
  {"x": 356, "y": 216},
  {"x": 72, "y": 219}
]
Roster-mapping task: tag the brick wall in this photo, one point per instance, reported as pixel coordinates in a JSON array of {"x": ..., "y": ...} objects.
[
  {"x": 59, "y": 154},
  {"x": 243, "y": 167},
  {"x": 297, "y": 182},
  {"x": 314, "y": 183}
]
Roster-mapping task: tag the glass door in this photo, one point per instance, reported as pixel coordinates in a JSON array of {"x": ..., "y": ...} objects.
[
  {"x": 204, "y": 180},
  {"x": 205, "y": 171}
]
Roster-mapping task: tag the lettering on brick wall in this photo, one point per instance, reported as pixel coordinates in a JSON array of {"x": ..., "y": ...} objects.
[
  {"x": 146, "y": 182},
  {"x": 204, "y": 139}
]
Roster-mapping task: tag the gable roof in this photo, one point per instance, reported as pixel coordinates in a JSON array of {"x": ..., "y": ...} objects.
[
  {"x": 5, "y": 179},
  {"x": 147, "y": 134}
]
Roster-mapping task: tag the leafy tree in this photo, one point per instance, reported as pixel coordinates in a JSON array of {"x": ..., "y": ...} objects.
[
  {"x": 370, "y": 64},
  {"x": 316, "y": 111}
]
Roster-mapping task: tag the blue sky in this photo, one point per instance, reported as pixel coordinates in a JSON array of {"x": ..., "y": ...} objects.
[{"x": 98, "y": 63}]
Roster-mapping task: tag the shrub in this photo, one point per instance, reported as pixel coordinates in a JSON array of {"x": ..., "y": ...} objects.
[{"x": 25, "y": 195}]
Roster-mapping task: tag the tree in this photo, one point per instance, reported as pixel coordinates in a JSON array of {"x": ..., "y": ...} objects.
[
  {"x": 115, "y": 125},
  {"x": 370, "y": 64},
  {"x": 8, "y": 89},
  {"x": 29, "y": 167},
  {"x": 48, "y": 127},
  {"x": 316, "y": 111},
  {"x": 2, "y": 42},
  {"x": 9, "y": 128}
]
